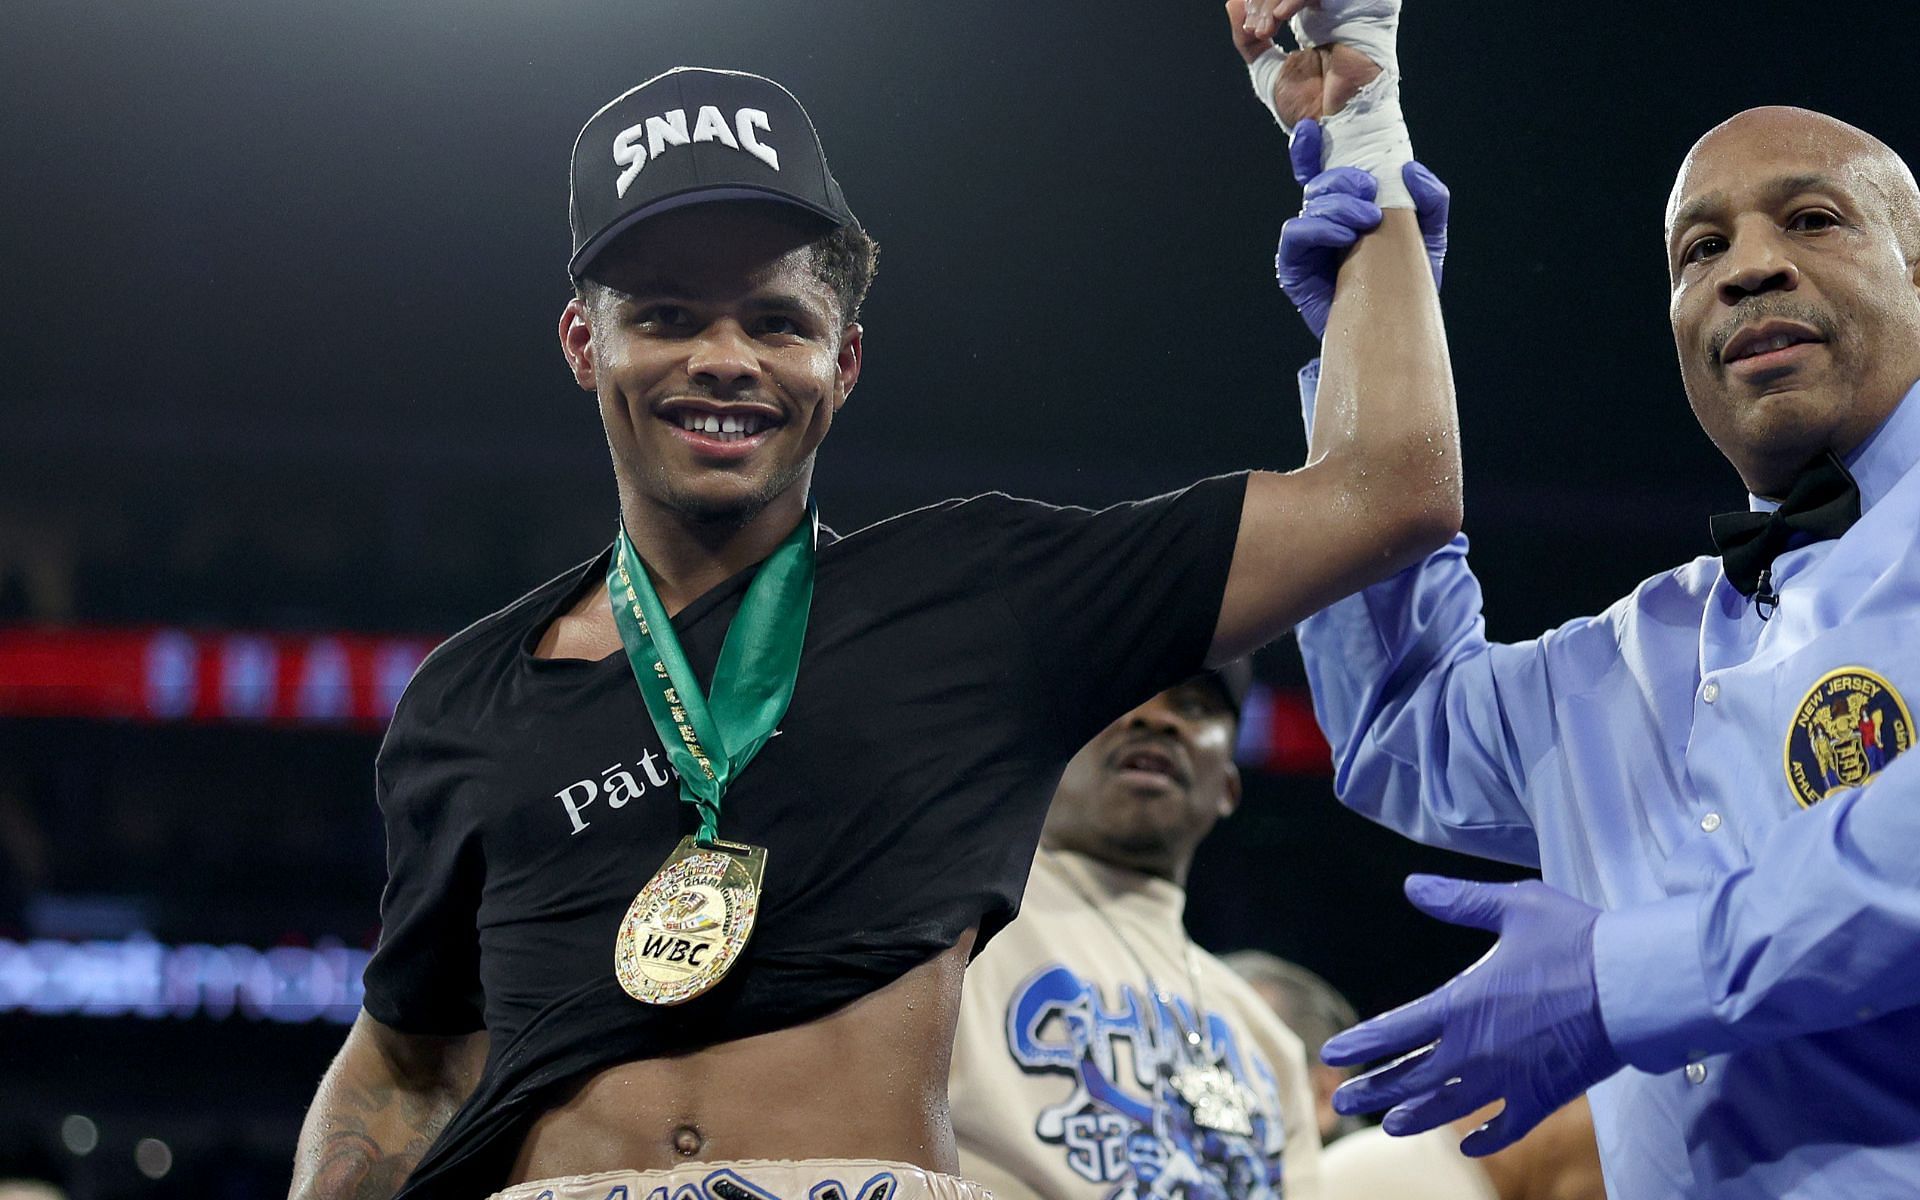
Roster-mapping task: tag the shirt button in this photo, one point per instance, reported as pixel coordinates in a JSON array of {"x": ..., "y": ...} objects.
[
  {"x": 1696, "y": 1073},
  {"x": 1710, "y": 822},
  {"x": 1711, "y": 692}
]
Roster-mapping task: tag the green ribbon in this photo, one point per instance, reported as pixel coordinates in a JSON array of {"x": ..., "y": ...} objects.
[{"x": 711, "y": 740}]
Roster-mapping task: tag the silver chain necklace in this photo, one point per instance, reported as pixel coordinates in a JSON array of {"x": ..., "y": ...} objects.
[{"x": 1219, "y": 1101}]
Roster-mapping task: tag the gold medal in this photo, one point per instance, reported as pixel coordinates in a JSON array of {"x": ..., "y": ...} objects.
[{"x": 686, "y": 928}]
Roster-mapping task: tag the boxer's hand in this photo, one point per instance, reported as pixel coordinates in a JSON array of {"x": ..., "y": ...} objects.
[
  {"x": 1250, "y": 44},
  {"x": 1313, "y": 83},
  {"x": 1521, "y": 1025},
  {"x": 1317, "y": 83},
  {"x": 1338, "y": 207},
  {"x": 1262, "y": 17}
]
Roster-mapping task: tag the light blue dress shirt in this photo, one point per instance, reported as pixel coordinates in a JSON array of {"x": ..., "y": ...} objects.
[{"x": 1759, "y": 961}]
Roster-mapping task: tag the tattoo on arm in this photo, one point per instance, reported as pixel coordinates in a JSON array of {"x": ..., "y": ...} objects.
[
  {"x": 376, "y": 1135},
  {"x": 355, "y": 1167}
]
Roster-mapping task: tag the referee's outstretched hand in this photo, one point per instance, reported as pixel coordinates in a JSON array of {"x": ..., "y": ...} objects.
[
  {"x": 1521, "y": 1025},
  {"x": 1337, "y": 207}
]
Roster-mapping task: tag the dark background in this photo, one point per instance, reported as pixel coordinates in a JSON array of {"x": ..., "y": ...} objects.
[{"x": 277, "y": 351}]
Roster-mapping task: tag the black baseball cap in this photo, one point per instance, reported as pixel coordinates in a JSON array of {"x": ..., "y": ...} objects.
[
  {"x": 1232, "y": 679},
  {"x": 690, "y": 136}
]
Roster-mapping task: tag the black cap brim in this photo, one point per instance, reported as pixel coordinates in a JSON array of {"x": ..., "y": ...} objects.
[
  {"x": 581, "y": 263},
  {"x": 1232, "y": 680}
]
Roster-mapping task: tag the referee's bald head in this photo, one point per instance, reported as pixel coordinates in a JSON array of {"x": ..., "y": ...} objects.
[
  {"x": 1814, "y": 136},
  {"x": 1793, "y": 255}
]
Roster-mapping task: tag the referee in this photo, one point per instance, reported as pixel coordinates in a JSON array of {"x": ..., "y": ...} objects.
[{"x": 1718, "y": 761}]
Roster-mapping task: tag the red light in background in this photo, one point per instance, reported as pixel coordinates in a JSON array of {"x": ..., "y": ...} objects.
[
  {"x": 335, "y": 679},
  {"x": 354, "y": 680}
]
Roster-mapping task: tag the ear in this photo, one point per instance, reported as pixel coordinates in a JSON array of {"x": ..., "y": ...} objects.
[
  {"x": 576, "y": 342},
  {"x": 847, "y": 363},
  {"x": 1230, "y": 794}
]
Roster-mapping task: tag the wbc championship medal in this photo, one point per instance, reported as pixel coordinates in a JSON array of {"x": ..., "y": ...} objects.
[{"x": 689, "y": 924}]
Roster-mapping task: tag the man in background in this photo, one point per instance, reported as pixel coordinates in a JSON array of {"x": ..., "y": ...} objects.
[{"x": 1101, "y": 1053}]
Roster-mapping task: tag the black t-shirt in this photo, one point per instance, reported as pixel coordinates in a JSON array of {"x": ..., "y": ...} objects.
[{"x": 956, "y": 657}]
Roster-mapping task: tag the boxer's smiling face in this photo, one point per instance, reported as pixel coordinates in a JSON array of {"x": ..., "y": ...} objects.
[
  {"x": 718, "y": 355},
  {"x": 1791, "y": 247},
  {"x": 1149, "y": 787}
]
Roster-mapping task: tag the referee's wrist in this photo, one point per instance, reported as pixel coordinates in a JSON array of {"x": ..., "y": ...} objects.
[{"x": 1655, "y": 1004}]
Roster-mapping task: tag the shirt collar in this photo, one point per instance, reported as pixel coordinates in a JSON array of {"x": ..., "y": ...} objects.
[
  {"x": 1152, "y": 897},
  {"x": 1882, "y": 460}
]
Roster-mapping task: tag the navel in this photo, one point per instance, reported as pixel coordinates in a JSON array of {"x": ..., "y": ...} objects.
[{"x": 688, "y": 1141}]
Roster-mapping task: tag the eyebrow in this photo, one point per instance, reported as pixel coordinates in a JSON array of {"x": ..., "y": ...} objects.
[
  {"x": 670, "y": 289},
  {"x": 656, "y": 287},
  {"x": 1778, "y": 189},
  {"x": 782, "y": 302}
]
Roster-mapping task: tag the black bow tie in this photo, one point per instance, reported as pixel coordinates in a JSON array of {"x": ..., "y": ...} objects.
[{"x": 1824, "y": 502}]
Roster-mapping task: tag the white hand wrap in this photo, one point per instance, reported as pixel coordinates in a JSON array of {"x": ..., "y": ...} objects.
[
  {"x": 1265, "y": 71},
  {"x": 1370, "y": 132}
]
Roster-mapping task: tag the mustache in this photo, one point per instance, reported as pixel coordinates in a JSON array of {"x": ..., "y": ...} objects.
[{"x": 1760, "y": 308}]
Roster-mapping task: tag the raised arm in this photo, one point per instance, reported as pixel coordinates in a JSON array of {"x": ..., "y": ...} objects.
[
  {"x": 380, "y": 1105},
  {"x": 1381, "y": 487},
  {"x": 1434, "y": 729}
]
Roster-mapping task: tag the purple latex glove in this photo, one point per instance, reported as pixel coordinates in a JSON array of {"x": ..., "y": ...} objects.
[
  {"x": 1522, "y": 1024},
  {"x": 1337, "y": 207}
]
